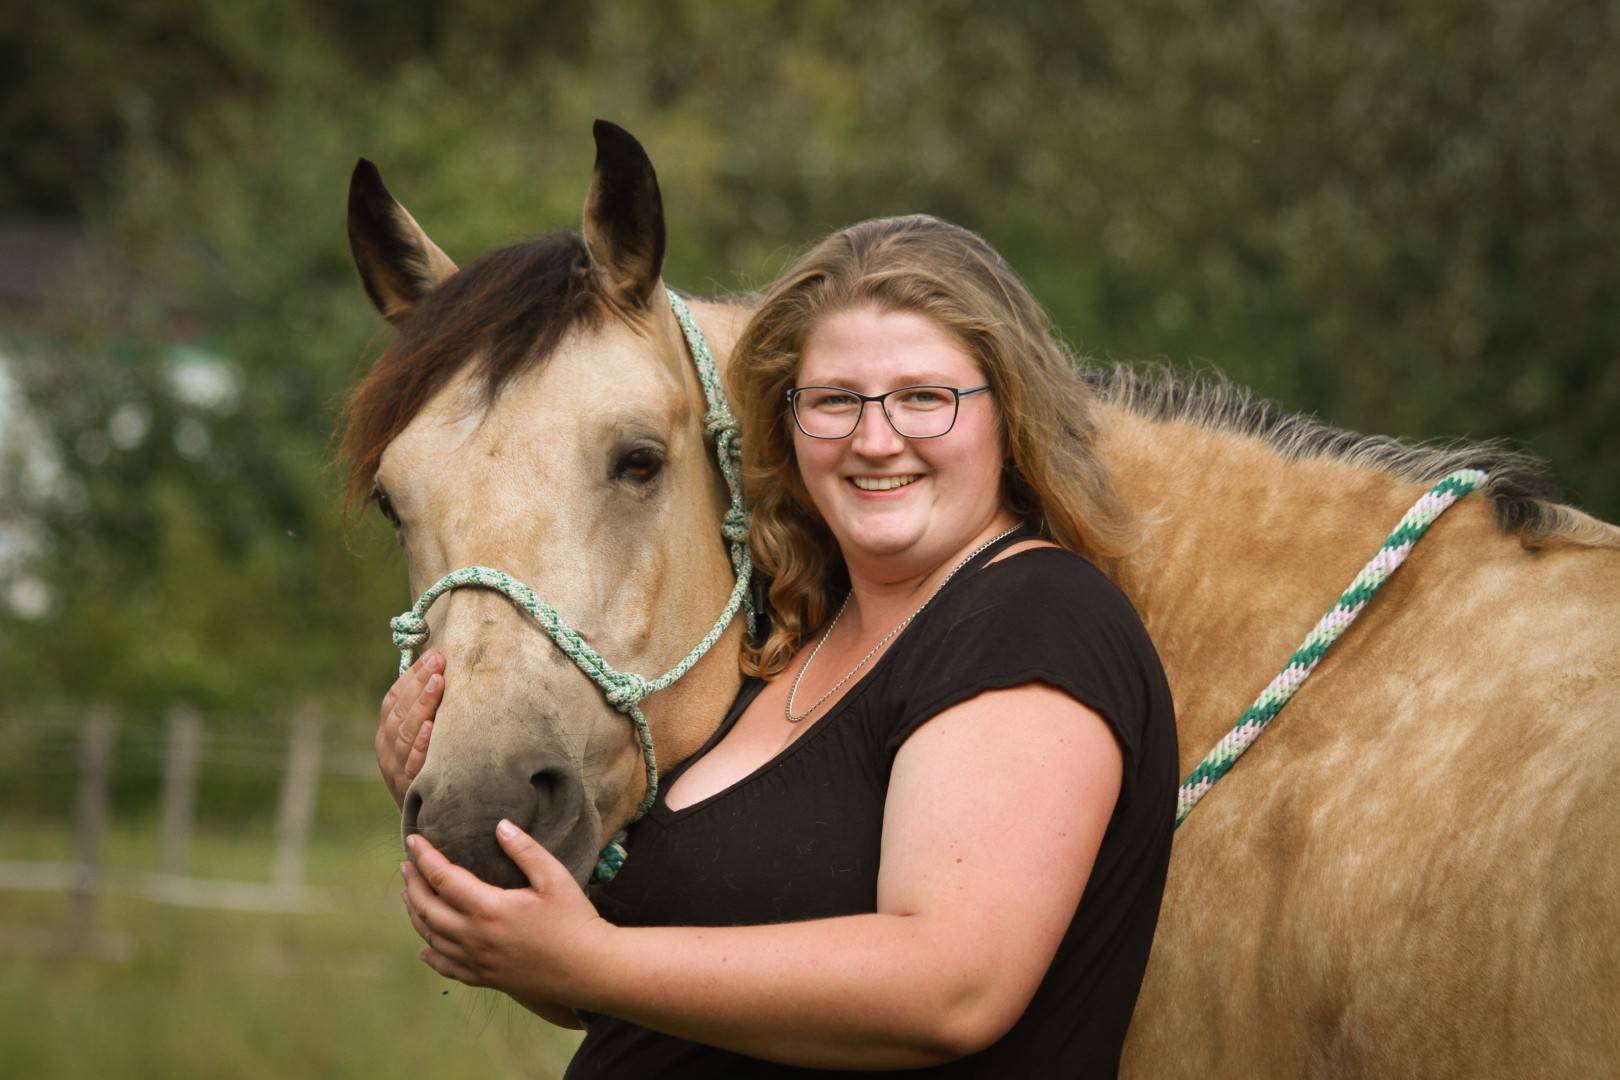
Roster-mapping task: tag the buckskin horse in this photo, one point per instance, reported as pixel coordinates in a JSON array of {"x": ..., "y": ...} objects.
[{"x": 1417, "y": 873}]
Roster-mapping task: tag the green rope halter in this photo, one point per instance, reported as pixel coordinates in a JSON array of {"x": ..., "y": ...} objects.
[
  {"x": 623, "y": 690},
  {"x": 1328, "y": 629}
]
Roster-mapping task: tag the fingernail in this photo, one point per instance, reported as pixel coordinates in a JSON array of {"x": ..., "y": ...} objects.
[
  {"x": 410, "y": 843},
  {"x": 402, "y": 868},
  {"x": 506, "y": 830},
  {"x": 434, "y": 682},
  {"x": 434, "y": 661}
]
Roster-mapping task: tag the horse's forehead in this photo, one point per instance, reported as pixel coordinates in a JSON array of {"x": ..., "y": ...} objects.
[
  {"x": 594, "y": 382},
  {"x": 606, "y": 366}
]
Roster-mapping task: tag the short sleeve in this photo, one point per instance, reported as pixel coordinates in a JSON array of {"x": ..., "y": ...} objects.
[{"x": 1043, "y": 615}]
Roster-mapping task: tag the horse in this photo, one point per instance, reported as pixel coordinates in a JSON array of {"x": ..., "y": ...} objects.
[{"x": 1414, "y": 874}]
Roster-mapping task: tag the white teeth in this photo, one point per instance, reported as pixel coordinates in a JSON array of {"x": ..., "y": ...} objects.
[{"x": 882, "y": 483}]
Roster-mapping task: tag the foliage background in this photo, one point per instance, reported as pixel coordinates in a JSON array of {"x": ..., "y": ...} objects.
[{"x": 1401, "y": 217}]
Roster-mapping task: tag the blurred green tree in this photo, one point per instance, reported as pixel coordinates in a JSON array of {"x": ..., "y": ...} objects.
[{"x": 1398, "y": 217}]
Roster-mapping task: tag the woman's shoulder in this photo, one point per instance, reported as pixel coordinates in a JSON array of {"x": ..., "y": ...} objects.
[
  {"x": 1043, "y": 614},
  {"x": 1041, "y": 607},
  {"x": 1046, "y": 580}
]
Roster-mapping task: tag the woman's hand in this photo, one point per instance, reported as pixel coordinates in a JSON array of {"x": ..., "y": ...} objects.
[
  {"x": 532, "y": 943},
  {"x": 407, "y": 722}
]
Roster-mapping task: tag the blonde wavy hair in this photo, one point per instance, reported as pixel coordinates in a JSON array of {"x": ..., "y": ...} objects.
[{"x": 1054, "y": 480}]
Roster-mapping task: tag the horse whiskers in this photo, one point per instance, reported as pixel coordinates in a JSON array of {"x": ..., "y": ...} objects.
[{"x": 380, "y": 844}]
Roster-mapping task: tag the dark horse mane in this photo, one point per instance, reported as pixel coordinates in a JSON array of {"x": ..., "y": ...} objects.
[
  {"x": 1526, "y": 499},
  {"x": 509, "y": 308}
]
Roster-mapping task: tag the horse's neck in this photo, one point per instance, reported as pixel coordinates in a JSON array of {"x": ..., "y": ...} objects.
[{"x": 1242, "y": 552}]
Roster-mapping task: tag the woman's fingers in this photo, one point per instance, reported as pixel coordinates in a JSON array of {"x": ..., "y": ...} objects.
[
  {"x": 449, "y": 968},
  {"x": 407, "y": 722},
  {"x": 435, "y": 931},
  {"x": 418, "y": 922},
  {"x": 418, "y": 698},
  {"x": 418, "y": 751},
  {"x": 407, "y": 686},
  {"x": 454, "y": 887},
  {"x": 415, "y": 715},
  {"x": 540, "y": 866},
  {"x": 393, "y": 691},
  {"x": 390, "y": 718},
  {"x": 439, "y": 923}
]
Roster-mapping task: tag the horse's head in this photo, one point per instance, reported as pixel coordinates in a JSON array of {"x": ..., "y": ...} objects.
[{"x": 537, "y": 413}]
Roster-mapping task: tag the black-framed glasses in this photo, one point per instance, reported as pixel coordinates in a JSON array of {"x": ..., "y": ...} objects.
[{"x": 915, "y": 412}]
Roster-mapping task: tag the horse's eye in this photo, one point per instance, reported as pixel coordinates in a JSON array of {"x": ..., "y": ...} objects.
[
  {"x": 380, "y": 497},
  {"x": 639, "y": 465}
]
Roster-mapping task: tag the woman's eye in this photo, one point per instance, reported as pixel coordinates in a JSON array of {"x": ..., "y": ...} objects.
[
  {"x": 832, "y": 402},
  {"x": 639, "y": 466},
  {"x": 923, "y": 397}
]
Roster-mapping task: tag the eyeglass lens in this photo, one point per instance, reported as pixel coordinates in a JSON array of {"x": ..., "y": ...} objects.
[{"x": 917, "y": 412}]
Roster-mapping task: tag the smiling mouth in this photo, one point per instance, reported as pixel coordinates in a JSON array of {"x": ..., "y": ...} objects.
[{"x": 883, "y": 483}]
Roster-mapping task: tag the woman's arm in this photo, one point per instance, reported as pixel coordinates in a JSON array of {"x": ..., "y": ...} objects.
[{"x": 995, "y": 812}]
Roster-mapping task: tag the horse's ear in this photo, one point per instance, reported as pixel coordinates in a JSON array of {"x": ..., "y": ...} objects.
[
  {"x": 398, "y": 263},
  {"x": 624, "y": 217}
]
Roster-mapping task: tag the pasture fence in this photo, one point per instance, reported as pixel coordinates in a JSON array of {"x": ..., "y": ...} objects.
[{"x": 179, "y": 748}]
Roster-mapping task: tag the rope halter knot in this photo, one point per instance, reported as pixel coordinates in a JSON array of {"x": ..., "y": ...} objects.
[
  {"x": 719, "y": 425},
  {"x": 734, "y": 526},
  {"x": 624, "y": 690},
  {"x": 410, "y": 632}
]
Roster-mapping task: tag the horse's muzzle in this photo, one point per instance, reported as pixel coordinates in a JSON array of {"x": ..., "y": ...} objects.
[{"x": 549, "y": 804}]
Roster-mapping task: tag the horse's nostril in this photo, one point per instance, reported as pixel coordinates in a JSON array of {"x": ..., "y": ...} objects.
[
  {"x": 559, "y": 800},
  {"x": 550, "y": 788},
  {"x": 563, "y": 822},
  {"x": 409, "y": 813}
]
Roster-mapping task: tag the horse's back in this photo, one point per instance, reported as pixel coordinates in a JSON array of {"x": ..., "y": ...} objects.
[{"x": 1415, "y": 871}]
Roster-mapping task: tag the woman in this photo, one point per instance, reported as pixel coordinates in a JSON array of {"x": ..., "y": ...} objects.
[{"x": 933, "y": 828}]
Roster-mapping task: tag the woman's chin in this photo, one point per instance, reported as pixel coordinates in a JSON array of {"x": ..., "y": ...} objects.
[{"x": 880, "y": 538}]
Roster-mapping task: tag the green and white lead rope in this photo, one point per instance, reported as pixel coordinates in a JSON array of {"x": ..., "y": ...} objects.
[
  {"x": 623, "y": 690},
  {"x": 1389, "y": 557}
]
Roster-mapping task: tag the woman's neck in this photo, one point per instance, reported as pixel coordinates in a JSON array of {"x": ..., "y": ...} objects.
[{"x": 883, "y": 592}]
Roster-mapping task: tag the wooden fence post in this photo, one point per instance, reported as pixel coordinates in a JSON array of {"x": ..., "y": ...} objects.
[
  {"x": 300, "y": 782},
  {"x": 179, "y": 788},
  {"x": 90, "y": 824}
]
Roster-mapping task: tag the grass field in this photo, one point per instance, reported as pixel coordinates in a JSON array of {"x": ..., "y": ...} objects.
[{"x": 180, "y": 992}]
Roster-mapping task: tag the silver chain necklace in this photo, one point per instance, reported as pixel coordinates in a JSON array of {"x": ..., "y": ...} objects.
[{"x": 787, "y": 707}]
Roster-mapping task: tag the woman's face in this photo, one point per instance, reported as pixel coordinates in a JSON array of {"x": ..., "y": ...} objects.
[{"x": 899, "y": 506}]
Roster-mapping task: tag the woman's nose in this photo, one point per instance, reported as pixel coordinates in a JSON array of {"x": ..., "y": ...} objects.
[{"x": 874, "y": 434}]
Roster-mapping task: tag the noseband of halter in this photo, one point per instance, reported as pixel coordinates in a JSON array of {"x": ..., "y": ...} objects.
[{"x": 623, "y": 690}]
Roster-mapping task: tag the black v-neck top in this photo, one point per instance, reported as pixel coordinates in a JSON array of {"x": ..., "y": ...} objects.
[{"x": 799, "y": 837}]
